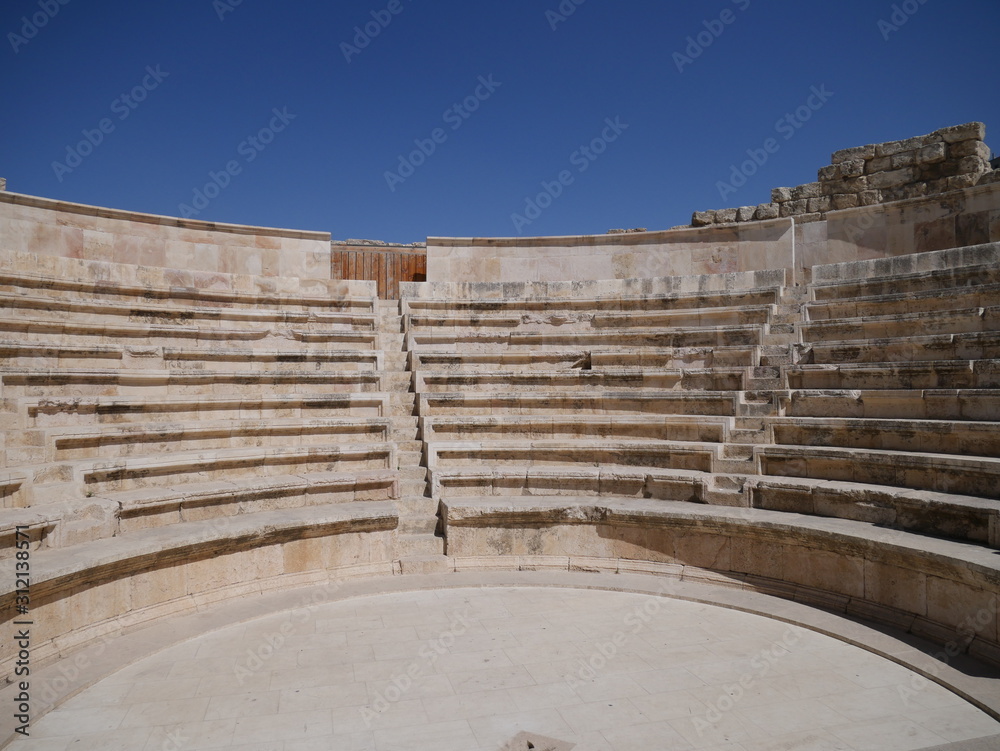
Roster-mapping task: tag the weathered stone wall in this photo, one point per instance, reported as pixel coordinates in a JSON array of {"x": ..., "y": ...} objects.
[
  {"x": 946, "y": 160},
  {"x": 41, "y": 226}
]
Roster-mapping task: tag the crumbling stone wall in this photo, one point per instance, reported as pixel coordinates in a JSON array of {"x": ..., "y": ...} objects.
[{"x": 947, "y": 159}]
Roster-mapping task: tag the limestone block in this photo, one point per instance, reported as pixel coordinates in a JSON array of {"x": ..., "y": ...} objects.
[
  {"x": 830, "y": 172},
  {"x": 725, "y": 216},
  {"x": 853, "y": 154},
  {"x": 745, "y": 213},
  {"x": 893, "y": 178},
  {"x": 879, "y": 164},
  {"x": 969, "y": 148},
  {"x": 967, "y": 132},
  {"x": 809, "y": 190},
  {"x": 896, "y": 147},
  {"x": 852, "y": 168},
  {"x": 931, "y": 154},
  {"x": 703, "y": 218},
  {"x": 819, "y": 204},
  {"x": 794, "y": 208},
  {"x": 767, "y": 211},
  {"x": 781, "y": 195},
  {"x": 909, "y": 158}
]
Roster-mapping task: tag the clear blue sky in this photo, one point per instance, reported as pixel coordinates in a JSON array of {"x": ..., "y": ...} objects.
[{"x": 552, "y": 91}]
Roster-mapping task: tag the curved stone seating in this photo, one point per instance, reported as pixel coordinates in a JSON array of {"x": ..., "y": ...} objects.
[
  {"x": 666, "y": 484},
  {"x": 971, "y": 320},
  {"x": 927, "y": 301},
  {"x": 970, "y": 374},
  {"x": 952, "y": 269},
  {"x": 977, "y": 346},
  {"x": 605, "y": 378},
  {"x": 46, "y": 412},
  {"x": 592, "y": 401},
  {"x": 95, "y": 588},
  {"x": 125, "y": 440},
  {"x": 586, "y": 320},
  {"x": 92, "y": 383},
  {"x": 922, "y": 404},
  {"x": 585, "y": 452},
  {"x": 941, "y": 590},
  {"x": 499, "y": 340},
  {"x": 670, "y": 358},
  {"x": 947, "y": 473},
  {"x": 946, "y": 515},
  {"x": 924, "y": 436},
  {"x": 144, "y": 509},
  {"x": 677, "y": 428}
]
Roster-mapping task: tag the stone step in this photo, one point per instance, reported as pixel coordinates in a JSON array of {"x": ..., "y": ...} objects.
[
  {"x": 395, "y": 361},
  {"x": 410, "y": 457},
  {"x": 412, "y": 486},
  {"x": 427, "y": 544},
  {"x": 396, "y": 381},
  {"x": 418, "y": 525},
  {"x": 414, "y": 505},
  {"x": 413, "y": 473},
  {"x": 410, "y": 447}
]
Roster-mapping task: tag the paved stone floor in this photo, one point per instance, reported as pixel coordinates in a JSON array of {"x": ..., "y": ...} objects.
[{"x": 471, "y": 669}]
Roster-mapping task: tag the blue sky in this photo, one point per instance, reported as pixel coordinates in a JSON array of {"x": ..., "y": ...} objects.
[{"x": 454, "y": 114}]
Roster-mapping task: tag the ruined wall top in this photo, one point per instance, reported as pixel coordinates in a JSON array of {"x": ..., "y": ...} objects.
[{"x": 948, "y": 159}]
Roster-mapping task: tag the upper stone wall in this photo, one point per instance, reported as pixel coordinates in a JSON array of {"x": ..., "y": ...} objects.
[
  {"x": 46, "y": 227},
  {"x": 946, "y": 160}
]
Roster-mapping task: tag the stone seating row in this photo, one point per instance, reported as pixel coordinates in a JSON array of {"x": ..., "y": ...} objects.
[
  {"x": 920, "y": 436},
  {"x": 70, "y": 479},
  {"x": 951, "y": 269},
  {"x": 442, "y": 341},
  {"x": 970, "y": 374},
  {"x": 42, "y": 446},
  {"x": 593, "y": 401},
  {"x": 588, "y": 320},
  {"x": 947, "y": 473},
  {"x": 70, "y": 332},
  {"x": 978, "y": 295},
  {"x": 13, "y": 306},
  {"x": 762, "y": 296},
  {"x": 58, "y": 411},
  {"x": 714, "y": 379},
  {"x": 96, "y": 589},
  {"x": 91, "y": 281},
  {"x": 91, "y": 383},
  {"x": 23, "y": 354},
  {"x": 976, "y": 346},
  {"x": 944, "y": 515},
  {"x": 918, "y": 404},
  {"x": 587, "y": 359},
  {"x": 933, "y": 588},
  {"x": 966, "y": 321}
]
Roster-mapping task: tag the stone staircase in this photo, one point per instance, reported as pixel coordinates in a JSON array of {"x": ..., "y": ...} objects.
[{"x": 421, "y": 546}]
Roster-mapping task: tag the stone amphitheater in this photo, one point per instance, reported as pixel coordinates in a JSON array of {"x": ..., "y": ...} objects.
[{"x": 733, "y": 486}]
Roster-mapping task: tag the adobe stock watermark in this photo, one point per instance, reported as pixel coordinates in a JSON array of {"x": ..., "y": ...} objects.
[
  {"x": 561, "y": 14},
  {"x": 635, "y": 622},
  {"x": 901, "y": 14},
  {"x": 427, "y": 655},
  {"x": 122, "y": 107},
  {"x": 761, "y": 665},
  {"x": 455, "y": 116},
  {"x": 224, "y": 7},
  {"x": 250, "y": 148},
  {"x": 714, "y": 28},
  {"x": 364, "y": 35},
  {"x": 786, "y": 127},
  {"x": 582, "y": 159},
  {"x": 30, "y": 26}
]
